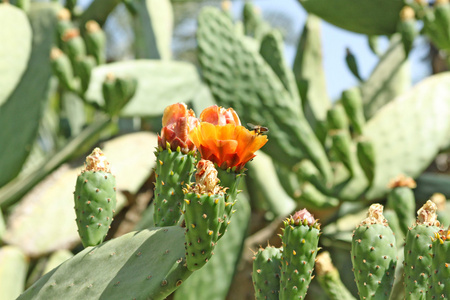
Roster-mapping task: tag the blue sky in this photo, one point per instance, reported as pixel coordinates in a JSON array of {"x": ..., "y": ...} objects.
[{"x": 334, "y": 42}]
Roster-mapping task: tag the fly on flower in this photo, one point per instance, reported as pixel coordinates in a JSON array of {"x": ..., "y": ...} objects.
[{"x": 258, "y": 129}]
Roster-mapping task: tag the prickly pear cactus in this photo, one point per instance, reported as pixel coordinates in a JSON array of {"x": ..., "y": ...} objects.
[
  {"x": 419, "y": 251},
  {"x": 300, "y": 239},
  {"x": 440, "y": 266},
  {"x": 374, "y": 255},
  {"x": 95, "y": 199},
  {"x": 147, "y": 264},
  {"x": 229, "y": 179},
  {"x": 266, "y": 273},
  {"x": 401, "y": 199},
  {"x": 175, "y": 163},
  {"x": 329, "y": 278},
  {"x": 173, "y": 171},
  {"x": 205, "y": 203}
]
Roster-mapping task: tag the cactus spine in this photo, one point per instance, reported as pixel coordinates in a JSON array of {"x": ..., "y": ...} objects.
[
  {"x": 373, "y": 255},
  {"x": 95, "y": 199},
  {"x": 300, "y": 239},
  {"x": 419, "y": 250}
]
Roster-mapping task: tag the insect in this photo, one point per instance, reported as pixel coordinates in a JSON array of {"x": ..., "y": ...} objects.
[{"x": 258, "y": 129}]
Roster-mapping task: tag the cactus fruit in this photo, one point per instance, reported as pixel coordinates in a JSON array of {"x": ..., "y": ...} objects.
[
  {"x": 63, "y": 69},
  {"x": 329, "y": 278},
  {"x": 418, "y": 252},
  {"x": 342, "y": 147},
  {"x": 205, "y": 203},
  {"x": 350, "y": 59},
  {"x": 117, "y": 92},
  {"x": 73, "y": 44},
  {"x": 407, "y": 28},
  {"x": 374, "y": 255},
  {"x": 401, "y": 199},
  {"x": 95, "y": 42},
  {"x": 353, "y": 105},
  {"x": 366, "y": 157},
  {"x": 95, "y": 199},
  {"x": 266, "y": 273},
  {"x": 175, "y": 163},
  {"x": 440, "y": 266},
  {"x": 300, "y": 239},
  {"x": 336, "y": 118}
]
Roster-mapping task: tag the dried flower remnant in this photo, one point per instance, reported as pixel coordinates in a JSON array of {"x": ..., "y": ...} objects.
[
  {"x": 96, "y": 161},
  {"x": 427, "y": 214},
  {"x": 206, "y": 179},
  {"x": 375, "y": 215}
]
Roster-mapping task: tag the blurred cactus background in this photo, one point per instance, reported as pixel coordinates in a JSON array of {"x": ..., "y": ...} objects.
[{"x": 348, "y": 100}]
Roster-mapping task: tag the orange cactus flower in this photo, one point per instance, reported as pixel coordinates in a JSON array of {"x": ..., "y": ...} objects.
[
  {"x": 218, "y": 115},
  {"x": 177, "y": 122},
  {"x": 228, "y": 145}
]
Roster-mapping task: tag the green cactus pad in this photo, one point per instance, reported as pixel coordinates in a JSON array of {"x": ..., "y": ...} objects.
[
  {"x": 147, "y": 264},
  {"x": 173, "y": 170},
  {"x": 95, "y": 201},
  {"x": 203, "y": 216},
  {"x": 440, "y": 267},
  {"x": 374, "y": 256},
  {"x": 300, "y": 242},
  {"x": 368, "y": 17},
  {"x": 266, "y": 273}
]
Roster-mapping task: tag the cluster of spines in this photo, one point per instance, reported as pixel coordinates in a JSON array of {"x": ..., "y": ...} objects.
[
  {"x": 300, "y": 246},
  {"x": 374, "y": 255},
  {"x": 173, "y": 171},
  {"x": 203, "y": 219}
]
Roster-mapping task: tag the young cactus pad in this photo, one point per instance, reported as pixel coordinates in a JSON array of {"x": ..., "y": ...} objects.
[
  {"x": 419, "y": 251},
  {"x": 205, "y": 203},
  {"x": 374, "y": 255},
  {"x": 300, "y": 239},
  {"x": 95, "y": 199},
  {"x": 266, "y": 273}
]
